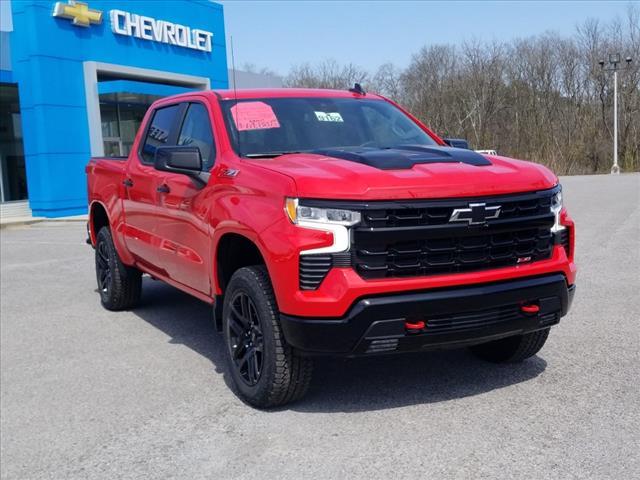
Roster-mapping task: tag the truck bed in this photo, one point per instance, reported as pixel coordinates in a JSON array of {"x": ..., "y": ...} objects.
[{"x": 104, "y": 180}]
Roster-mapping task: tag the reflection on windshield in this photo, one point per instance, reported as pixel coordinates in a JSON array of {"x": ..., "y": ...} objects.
[{"x": 269, "y": 127}]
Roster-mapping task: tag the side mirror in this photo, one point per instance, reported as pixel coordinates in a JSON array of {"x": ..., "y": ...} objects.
[
  {"x": 184, "y": 160},
  {"x": 457, "y": 143}
]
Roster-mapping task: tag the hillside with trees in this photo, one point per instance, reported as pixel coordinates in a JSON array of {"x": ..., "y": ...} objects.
[{"x": 543, "y": 98}]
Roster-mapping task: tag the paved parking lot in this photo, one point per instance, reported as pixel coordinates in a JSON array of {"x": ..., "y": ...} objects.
[{"x": 86, "y": 393}]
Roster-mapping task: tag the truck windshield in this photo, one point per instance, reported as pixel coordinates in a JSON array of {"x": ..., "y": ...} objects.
[{"x": 269, "y": 127}]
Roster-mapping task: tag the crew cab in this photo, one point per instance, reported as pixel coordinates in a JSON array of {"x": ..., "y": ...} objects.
[{"x": 326, "y": 222}]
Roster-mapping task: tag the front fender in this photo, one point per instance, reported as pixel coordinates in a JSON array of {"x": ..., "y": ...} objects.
[
  {"x": 248, "y": 204},
  {"x": 281, "y": 245}
]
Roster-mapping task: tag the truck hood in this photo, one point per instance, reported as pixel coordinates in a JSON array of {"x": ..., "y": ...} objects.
[{"x": 325, "y": 176}]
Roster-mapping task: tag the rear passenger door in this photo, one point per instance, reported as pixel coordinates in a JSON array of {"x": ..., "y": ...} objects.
[
  {"x": 184, "y": 205},
  {"x": 141, "y": 183}
]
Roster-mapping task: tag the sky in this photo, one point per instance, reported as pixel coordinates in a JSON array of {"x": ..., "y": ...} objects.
[{"x": 280, "y": 34}]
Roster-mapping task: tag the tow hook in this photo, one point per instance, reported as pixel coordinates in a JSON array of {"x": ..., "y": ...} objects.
[
  {"x": 530, "y": 308},
  {"x": 413, "y": 327}
]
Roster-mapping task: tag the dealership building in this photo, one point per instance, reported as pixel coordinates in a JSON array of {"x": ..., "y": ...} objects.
[{"x": 76, "y": 79}]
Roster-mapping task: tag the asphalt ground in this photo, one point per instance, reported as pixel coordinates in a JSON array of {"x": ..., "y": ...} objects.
[{"x": 87, "y": 393}]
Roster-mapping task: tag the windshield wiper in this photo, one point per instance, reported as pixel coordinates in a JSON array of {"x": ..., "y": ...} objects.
[{"x": 268, "y": 154}]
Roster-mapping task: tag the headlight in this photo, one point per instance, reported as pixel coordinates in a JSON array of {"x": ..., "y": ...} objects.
[
  {"x": 333, "y": 220},
  {"x": 334, "y": 216},
  {"x": 556, "y": 208}
]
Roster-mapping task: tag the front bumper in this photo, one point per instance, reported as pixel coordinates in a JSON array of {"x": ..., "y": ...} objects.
[{"x": 454, "y": 317}]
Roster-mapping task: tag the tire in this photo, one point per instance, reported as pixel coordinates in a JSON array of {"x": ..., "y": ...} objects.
[
  {"x": 512, "y": 349},
  {"x": 119, "y": 285},
  {"x": 266, "y": 372}
]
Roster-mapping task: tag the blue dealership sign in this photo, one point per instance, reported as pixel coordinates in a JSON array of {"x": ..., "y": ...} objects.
[{"x": 64, "y": 54}]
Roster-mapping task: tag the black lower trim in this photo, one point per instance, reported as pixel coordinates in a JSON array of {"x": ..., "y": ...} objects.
[{"x": 454, "y": 317}]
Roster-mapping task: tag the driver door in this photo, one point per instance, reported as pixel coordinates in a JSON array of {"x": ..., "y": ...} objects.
[
  {"x": 183, "y": 207},
  {"x": 141, "y": 182}
]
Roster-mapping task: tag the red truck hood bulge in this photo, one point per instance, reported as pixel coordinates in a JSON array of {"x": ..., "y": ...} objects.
[{"x": 319, "y": 176}]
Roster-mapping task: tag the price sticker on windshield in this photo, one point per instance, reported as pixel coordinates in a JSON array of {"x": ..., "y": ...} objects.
[
  {"x": 254, "y": 116},
  {"x": 329, "y": 117}
]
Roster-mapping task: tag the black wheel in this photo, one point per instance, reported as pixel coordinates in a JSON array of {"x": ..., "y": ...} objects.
[
  {"x": 266, "y": 372},
  {"x": 119, "y": 285},
  {"x": 512, "y": 349}
]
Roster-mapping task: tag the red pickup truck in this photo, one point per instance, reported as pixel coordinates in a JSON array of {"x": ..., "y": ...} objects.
[{"x": 324, "y": 222}]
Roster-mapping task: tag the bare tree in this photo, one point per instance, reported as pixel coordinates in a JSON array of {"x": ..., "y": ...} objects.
[
  {"x": 327, "y": 74},
  {"x": 253, "y": 68},
  {"x": 386, "y": 81},
  {"x": 543, "y": 98}
]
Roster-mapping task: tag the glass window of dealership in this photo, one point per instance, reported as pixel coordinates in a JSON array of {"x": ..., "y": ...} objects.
[{"x": 76, "y": 79}]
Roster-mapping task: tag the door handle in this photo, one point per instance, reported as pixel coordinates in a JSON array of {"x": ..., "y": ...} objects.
[
  {"x": 164, "y": 188},
  {"x": 127, "y": 182}
]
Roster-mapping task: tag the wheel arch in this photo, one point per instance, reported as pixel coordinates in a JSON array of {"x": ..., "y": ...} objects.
[
  {"x": 98, "y": 218},
  {"x": 232, "y": 251}
]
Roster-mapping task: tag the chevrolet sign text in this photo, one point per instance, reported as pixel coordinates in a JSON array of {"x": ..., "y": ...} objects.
[{"x": 147, "y": 28}]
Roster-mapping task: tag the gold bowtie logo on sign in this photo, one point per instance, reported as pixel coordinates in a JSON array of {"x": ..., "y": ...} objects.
[{"x": 78, "y": 12}]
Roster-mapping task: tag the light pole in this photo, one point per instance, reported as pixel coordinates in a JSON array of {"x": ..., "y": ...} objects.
[{"x": 615, "y": 62}]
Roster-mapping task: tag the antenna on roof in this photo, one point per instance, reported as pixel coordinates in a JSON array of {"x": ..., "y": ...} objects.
[
  {"x": 357, "y": 88},
  {"x": 235, "y": 95}
]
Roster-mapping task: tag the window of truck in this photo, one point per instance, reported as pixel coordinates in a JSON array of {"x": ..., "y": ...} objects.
[
  {"x": 196, "y": 132},
  {"x": 272, "y": 125},
  {"x": 159, "y": 133}
]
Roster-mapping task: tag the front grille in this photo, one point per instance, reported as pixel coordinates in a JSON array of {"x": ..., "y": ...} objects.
[
  {"x": 438, "y": 212},
  {"x": 454, "y": 254},
  {"x": 404, "y": 239}
]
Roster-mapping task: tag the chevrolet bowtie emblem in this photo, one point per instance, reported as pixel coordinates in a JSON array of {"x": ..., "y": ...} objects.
[
  {"x": 476, "y": 214},
  {"x": 79, "y": 12}
]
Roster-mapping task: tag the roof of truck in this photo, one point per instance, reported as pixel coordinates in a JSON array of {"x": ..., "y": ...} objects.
[
  {"x": 288, "y": 92},
  {"x": 283, "y": 92}
]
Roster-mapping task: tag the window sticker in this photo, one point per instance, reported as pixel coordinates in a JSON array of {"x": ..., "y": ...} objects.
[
  {"x": 329, "y": 117},
  {"x": 254, "y": 116}
]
